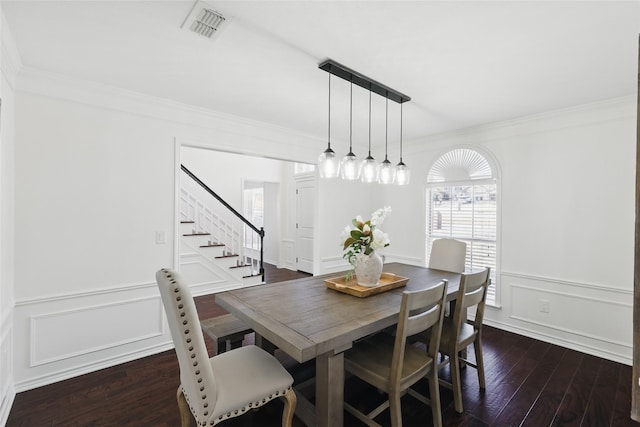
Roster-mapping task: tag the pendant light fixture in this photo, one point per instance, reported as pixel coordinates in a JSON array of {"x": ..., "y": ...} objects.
[
  {"x": 387, "y": 173},
  {"x": 350, "y": 166},
  {"x": 403, "y": 174},
  {"x": 369, "y": 166},
  {"x": 328, "y": 163}
]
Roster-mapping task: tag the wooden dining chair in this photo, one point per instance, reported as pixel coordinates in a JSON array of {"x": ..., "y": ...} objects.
[
  {"x": 448, "y": 255},
  {"x": 226, "y": 385},
  {"x": 393, "y": 365},
  {"x": 457, "y": 334}
]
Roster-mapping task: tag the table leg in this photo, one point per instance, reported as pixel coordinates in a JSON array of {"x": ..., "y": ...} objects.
[{"x": 330, "y": 389}]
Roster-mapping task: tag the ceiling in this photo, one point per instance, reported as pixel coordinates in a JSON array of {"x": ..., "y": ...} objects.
[{"x": 462, "y": 63}]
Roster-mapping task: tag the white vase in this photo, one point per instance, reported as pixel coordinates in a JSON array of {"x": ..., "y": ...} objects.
[{"x": 368, "y": 269}]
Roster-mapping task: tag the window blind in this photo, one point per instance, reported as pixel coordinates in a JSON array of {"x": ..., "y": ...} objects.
[{"x": 467, "y": 213}]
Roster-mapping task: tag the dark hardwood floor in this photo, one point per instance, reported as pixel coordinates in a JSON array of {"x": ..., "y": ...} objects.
[{"x": 529, "y": 383}]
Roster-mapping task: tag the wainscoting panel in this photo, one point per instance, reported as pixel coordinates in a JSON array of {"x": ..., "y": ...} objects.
[
  {"x": 589, "y": 318},
  {"x": 287, "y": 251},
  {"x": 333, "y": 265},
  {"x": 63, "y": 335},
  {"x": 337, "y": 263}
]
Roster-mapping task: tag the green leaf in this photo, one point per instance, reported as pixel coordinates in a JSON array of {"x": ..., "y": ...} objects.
[
  {"x": 349, "y": 242},
  {"x": 356, "y": 234}
]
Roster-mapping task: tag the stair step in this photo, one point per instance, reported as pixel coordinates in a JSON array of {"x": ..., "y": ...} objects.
[
  {"x": 252, "y": 275},
  {"x": 212, "y": 245},
  {"x": 240, "y": 266},
  {"x": 197, "y": 234},
  {"x": 187, "y": 222},
  {"x": 227, "y": 256}
]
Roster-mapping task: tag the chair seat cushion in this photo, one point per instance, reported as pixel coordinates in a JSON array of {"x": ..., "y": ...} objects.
[{"x": 247, "y": 377}]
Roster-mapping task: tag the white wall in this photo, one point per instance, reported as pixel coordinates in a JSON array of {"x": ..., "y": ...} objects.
[
  {"x": 9, "y": 60},
  {"x": 566, "y": 222},
  {"x": 95, "y": 180}
]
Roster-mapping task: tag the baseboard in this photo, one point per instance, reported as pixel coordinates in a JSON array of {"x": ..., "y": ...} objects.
[
  {"x": 7, "y": 403},
  {"x": 54, "y": 377},
  {"x": 566, "y": 343}
]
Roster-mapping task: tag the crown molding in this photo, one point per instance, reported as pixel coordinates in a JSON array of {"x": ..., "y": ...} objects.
[
  {"x": 608, "y": 110},
  {"x": 40, "y": 82},
  {"x": 11, "y": 62}
]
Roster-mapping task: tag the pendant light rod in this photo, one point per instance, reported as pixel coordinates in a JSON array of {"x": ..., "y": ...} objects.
[
  {"x": 351, "y": 118},
  {"x": 370, "y": 123},
  {"x": 400, "y": 133},
  {"x": 363, "y": 81},
  {"x": 329, "y": 115},
  {"x": 386, "y": 127}
]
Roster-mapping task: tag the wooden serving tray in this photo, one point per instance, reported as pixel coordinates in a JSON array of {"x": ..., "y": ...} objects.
[{"x": 387, "y": 282}]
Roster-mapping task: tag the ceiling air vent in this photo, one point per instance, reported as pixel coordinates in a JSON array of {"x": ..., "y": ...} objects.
[{"x": 204, "y": 22}]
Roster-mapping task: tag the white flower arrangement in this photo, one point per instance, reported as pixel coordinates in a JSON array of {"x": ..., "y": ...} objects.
[{"x": 364, "y": 237}]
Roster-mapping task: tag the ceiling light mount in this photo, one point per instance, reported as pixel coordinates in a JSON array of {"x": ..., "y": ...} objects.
[{"x": 339, "y": 70}]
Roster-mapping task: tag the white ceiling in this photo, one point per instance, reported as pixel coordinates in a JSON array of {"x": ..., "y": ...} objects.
[{"x": 463, "y": 63}]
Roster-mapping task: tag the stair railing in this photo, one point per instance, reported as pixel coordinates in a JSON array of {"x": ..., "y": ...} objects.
[{"x": 247, "y": 223}]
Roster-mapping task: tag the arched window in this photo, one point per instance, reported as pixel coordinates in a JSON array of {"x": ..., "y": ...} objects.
[{"x": 462, "y": 194}]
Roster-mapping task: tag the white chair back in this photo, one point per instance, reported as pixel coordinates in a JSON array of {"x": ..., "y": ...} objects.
[
  {"x": 448, "y": 255},
  {"x": 196, "y": 374}
]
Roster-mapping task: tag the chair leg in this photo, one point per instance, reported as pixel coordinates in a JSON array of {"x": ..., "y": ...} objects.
[
  {"x": 456, "y": 382},
  {"x": 395, "y": 409},
  {"x": 289, "y": 408},
  {"x": 434, "y": 391},
  {"x": 183, "y": 406},
  {"x": 479, "y": 361}
]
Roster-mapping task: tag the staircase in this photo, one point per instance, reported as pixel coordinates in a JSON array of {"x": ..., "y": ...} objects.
[{"x": 212, "y": 264}]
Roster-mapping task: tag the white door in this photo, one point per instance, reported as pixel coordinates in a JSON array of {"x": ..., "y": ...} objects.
[{"x": 305, "y": 202}]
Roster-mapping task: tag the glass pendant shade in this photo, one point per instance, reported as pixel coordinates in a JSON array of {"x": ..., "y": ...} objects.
[
  {"x": 350, "y": 167},
  {"x": 387, "y": 172},
  {"x": 328, "y": 164},
  {"x": 369, "y": 171},
  {"x": 403, "y": 174}
]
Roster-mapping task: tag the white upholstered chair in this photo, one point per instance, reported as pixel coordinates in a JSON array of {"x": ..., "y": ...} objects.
[
  {"x": 457, "y": 334},
  {"x": 226, "y": 385},
  {"x": 393, "y": 365},
  {"x": 448, "y": 255}
]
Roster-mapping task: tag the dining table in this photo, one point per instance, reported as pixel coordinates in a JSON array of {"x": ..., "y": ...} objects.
[{"x": 308, "y": 320}]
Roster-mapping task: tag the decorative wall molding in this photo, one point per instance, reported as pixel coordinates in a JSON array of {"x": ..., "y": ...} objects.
[
  {"x": 11, "y": 61},
  {"x": 36, "y": 363},
  {"x": 337, "y": 264},
  {"x": 127, "y": 326},
  {"x": 577, "y": 116},
  {"x": 589, "y": 318},
  {"x": 550, "y": 280},
  {"x": 287, "y": 251},
  {"x": 77, "y": 369},
  {"x": 39, "y": 82},
  {"x": 391, "y": 257},
  {"x": 334, "y": 264},
  {"x": 616, "y": 356},
  {"x": 142, "y": 286},
  {"x": 574, "y": 295}
]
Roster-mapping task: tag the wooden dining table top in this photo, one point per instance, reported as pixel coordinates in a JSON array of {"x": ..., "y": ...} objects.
[{"x": 304, "y": 318}]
